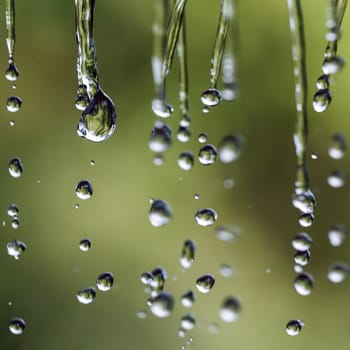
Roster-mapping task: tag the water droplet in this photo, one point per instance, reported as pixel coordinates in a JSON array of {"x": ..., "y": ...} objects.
[
  {"x": 13, "y": 104},
  {"x": 314, "y": 155},
  {"x": 182, "y": 334},
  {"x": 302, "y": 258},
  {"x": 85, "y": 245},
  {"x": 98, "y": 121},
  {"x": 337, "y": 147},
  {"x": 226, "y": 270},
  {"x": 87, "y": 295},
  {"x": 196, "y": 196},
  {"x": 146, "y": 278},
  {"x": 15, "y": 167},
  {"x": 206, "y": 217},
  {"x": 228, "y": 183},
  {"x": 187, "y": 322},
  {"x": 185, "y": 160},
  {"x": 161, "y": 108},
  {"x": 302, "y": 241},
  {"x": 11, "y": 72},
  {"x": 17, "y": 326},
  {"x": 333, "y": 65},
  {"x": 160, "y": 139},
  {"x": 207, "y": 155},
  {"x": 305, "y": 202},
  {"x": 187, "y": 299},
  {"x": 202, "y": 137},
  {"x": 183, "y": 134},
  {"x": 230, "y": 309},
  {"x": 84, "y": 190},
  {"x": 337, "y": 235},
  {"x": 160, "y": 213},
  {"x": 15, "y": 223},
  {"x": 13, "y": 210},
  {"x": 321, "y": 100},
  {"x": 336, "y": 179},
  {"x": 159, "y": 276},
  {"x": 294, "y": 327},
  {"x": 206, "y": 109},
  {"x": 213, "y": 328},
  {"x": 322, "y": 82},
  {"x": 158, "y": 160},
  {"x": 92, "y": 162},
  {"x": 205, "y": 283},
  {"x": 76, "y": 206},
  {"x": 338, "y": 272},
  {"x": 187, "y": 254},
  {"x": 306, "y": 219},
  {"x": 15, "y": 248},
  {"x": 211, "y": 97},
  {"x": 230, "y": 148},
  {"x": 105, "y": 281},
  {"x": 141, "y": 314},
  {"x": 304, "y": 284},
  {"x": 162, "y": 305},
  {"x": 227, "y": 233},
  {"x": 12, "y": 123}
]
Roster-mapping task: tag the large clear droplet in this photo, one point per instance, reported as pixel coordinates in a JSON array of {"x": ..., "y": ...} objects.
[
  {"x": 302, "y": 241},
  {"x": 161, "y": 108},
  {"x": 207, "y": 155},
  {"x": 321, "y": 100},
  {"x": 105, "y": 281},
  {"x": 160, "y": 139},
  {"x": 84, "y": 190},
  {"x": 87, "y": 295},
  {"x": 206, "y": 217},
  {"x": 337, "y": 235},
  {"x": 185, "y": 160},
  {"x": 187, "y": 254},
  {"x": 17, "y": 326},
  {"x": 294, "y": 327},
  {"x": 230, "y": 309},
  {"x": 338, "y": 272},
  {"x": 230, "y": 148},
  {"x": 304, "y": 284},
  {"x": 205, "y": 283},
  {"x": 98, "y": 121},
  {"x": 85, "y": 245},
  {"x": 337, "y": 147},
  {"x": 15, "y": 248},
  {"x": 187, "y": 299},
  {"x": 162, "y": 305},
  {"x": 13, "y": 104},
  {"x": 160, "y": 213},
  {"x": 15, "y": 167},
  {"x": 211, "y": 97}
]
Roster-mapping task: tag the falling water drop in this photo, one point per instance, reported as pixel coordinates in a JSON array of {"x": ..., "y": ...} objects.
[
  {"x": 227, "y": 233},
  {"x": 333, "y": 65},
  {"x": 187, "y": 299},
  {"x": 207, "y": 155},
  {"x": 206, "y": 217},
  {"x": 205, "y": 283},
  {"x": 16, "y": 248},
  {"x": 230, "y": 309},
  {"x": 15, "y": 167},
  {"x": 305, "y": 202},
  {"x": 187, "y": 254},
  {"x": 105, "y": 281},
  {"x": 160, "y": 213},
  {"x": 13, "y": 210},
  {"x": 314, "y": 155},
  {"x": 185, "y": 160},
  {"x": 302, "y": 241},
  {"x": 322, "y": 82},
  {"x": 336, "y": 179},
  {"x": 304, "y": 284},
  {"x": 338, "y": 272},
  {"x": 211, "y": 97},
  {"x": 13, "y": 104},
  {"x": 187, "y": 322},
  {"x": 228, "y": 183},
  {"x": 15, "y": 223},
  {"x": 87, "y": 295},
  {"x": 17, "y": 326},
  {"x": 84, "y": 190},
  {"x": 294, "y": 327},
  {"x": 85, "y": 245},
  {"x": 160, "y": 139},
  {"x": 337, "y": 235},
  {"x": 202, "y": 137},
  {"x": 302, "y": 258},
  {"x": 306, "y": 219},
  {"x": 162, "y": 305},
  {"x": 159, "y": 276},
  {"x": 321, "y": 100},
  {"x": 183, "y": 134},
  {"x": 226, "y": 270},
  {"x": 158, "y": 160},
  {"x": 146, "y": 278},
  {"x": 230, "y": 148},
  {"x": 337, "y": 147}
]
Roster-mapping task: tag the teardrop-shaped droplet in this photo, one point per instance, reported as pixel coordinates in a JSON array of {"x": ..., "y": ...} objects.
[
  {"x": 333, "y": 65},
  {"x": 13, "y": 210},
  {"x": 187, "y": 254},
  {"x": 162, "y": 305},
  {"x": 230, "y": 309},
  {"x": 337, "y": 235},
  {"x": 161, "y": 108},
  {"x": 15, "y": 167},
  {"x": 185, "y": 160},
  {"x": 11, "y": 73},
  {"x": 305, "y": 201},
  {"x": 338, "y": 272},
  {"x": 187, "y": 299},
  {"x": 294, "y": 327},
  {"x": 336, "y": 179},
  {"x": 17, "y": 326},
  {"x": 160, "y": 139},
  {"x": 211, "y": 97},
  {"x": 306, "y": 219},
  {"x": 183, "y": 134},
  {"x": 230, "y": 148},
  {"x": 84, "y": 190},
  {"x": 205, "y": 283},
  {"x": 160, "y": 213},
  {"x": 304, "y": 284},
  {"x": 302, "y": 241},
  {"x": 187, "y": 322},
  {"x": 85, "y": 245},
  {"x": 321, "y": 100},
  {"x": 302, "y": 258},
  {"x": 207, "y": 155},
  {"x": 87, "y": 295},
  {"x": 98, "y": 121},
  {"x": 206, "y": 217},
  {"x": 337, "y": 147},
  {"x": 13, "y": 104},
  {"x": 105, "y": 281},
  {"x": 15, "y": 248}
]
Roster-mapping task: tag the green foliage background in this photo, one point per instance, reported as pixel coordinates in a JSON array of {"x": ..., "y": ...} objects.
[{"x": 42, "y": 285}]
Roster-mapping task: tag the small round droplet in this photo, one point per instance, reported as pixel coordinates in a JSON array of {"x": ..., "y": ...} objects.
[
  {"x": 302, "y": 241},
  {"x": 17, "y": 326},
  {"x": 211, "y": 97},
  {"x": 15, "y": 223},
  {"x": 15, "y": 167},
  {"x": 13, "y": 210},
  {"x": 187, "y": 322},
  {"x": 302, "y": 258},
  {"x": 85, "y": 245},
  {"x": 187, "y": 254},
  {"x": 314, "y": 156},
  {"x": 196, "y": 196},
  {"x": 226, "y": 270},
  {"x": 227, "y": 233},
  {"x": 305, "y": 202},
  {"x": 294, "y": 327},
  {"x": 87, "y": 295},
  {"x": 11, "y": 73},
  {"x": 187, "y": 299},
  {"x": 304, "y": 284},
  {"x": 141, "y": 314},
  {"x": 338, "y": 272},
  {"x": 161, "y": 108},
  {"x": 228, "y": 183},
  {"x": 206, "y": 217},
  {"x": 158, "y": 160},
  {"x": 336, "y": 179},
  {"x": 13, "y": 104},
  {"x": 202, "y": 137},
  {"x": 160, "y": 213},
  {"x": 306, "y": 219},
  {"x": 207, "y": 155},
  {"x": 333, "y": 65},
  {"x": 12, "y": 122},
  {"x": 230, "y": 148},
  {"x": 15, "y": 248},
  {"x": 185, "y": 160},
  {"x": 321, "y": 100},
  {"x": 146, "y": 278},
  {"x": 84, "y": 190},
  {"x": 206, "y": 109},
  {"x": 162, "y": 305},
  {"x": 337, "y": 235},
  {"x": 160, "y": 139},
  {"x": 322, "y": 82},
  {"x": 213, "y": 328},
  {"x": 183, "y": 134},
  {"x": 337, "y": 147},
  {"x": 205, "y": 283},
  {"x": 230, "y": 309},
  {"x": 105, "y": 281},
  {"x": 92, "y": 162}
]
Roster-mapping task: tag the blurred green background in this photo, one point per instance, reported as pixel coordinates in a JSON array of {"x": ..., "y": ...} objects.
[{"x": 41, "y": 286}]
